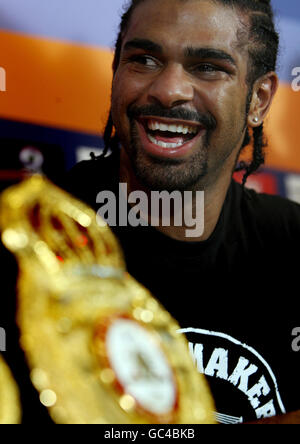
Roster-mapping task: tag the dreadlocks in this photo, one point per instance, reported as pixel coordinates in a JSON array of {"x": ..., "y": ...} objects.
[{"x": 263, "y": 42}]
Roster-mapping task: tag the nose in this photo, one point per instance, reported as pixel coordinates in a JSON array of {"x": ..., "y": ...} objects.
[{"x": 172, "y": 87}]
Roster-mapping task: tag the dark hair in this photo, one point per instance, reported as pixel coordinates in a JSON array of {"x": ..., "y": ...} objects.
[{"x": 263, "y": 43}]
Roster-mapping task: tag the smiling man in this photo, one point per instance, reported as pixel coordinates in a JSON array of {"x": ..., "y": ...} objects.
[{"x": 193, "y": 83}]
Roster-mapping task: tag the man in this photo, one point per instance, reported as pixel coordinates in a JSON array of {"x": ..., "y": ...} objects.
[{"x": 193, "y": 82}]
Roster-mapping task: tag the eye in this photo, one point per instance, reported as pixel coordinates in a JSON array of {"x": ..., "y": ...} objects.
[
  {"x": 209, "y": 71},
  {"x": 144, "y": 60},
  {"x": 207, "y": 67}
]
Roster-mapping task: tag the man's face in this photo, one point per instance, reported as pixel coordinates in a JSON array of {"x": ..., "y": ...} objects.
[{"x": 179, "y": 93}]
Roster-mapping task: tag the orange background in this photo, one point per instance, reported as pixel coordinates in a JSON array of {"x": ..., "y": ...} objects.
[{"x": 67, "y": 86}]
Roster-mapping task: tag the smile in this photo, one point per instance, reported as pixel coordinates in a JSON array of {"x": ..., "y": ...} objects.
[{"x": 168, "y": 138}]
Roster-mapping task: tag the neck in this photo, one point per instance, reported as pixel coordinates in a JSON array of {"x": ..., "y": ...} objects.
[{"x": 203, "y": 203}]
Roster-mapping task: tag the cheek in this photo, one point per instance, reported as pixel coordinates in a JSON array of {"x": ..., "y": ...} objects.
[
  {"x": 117, "y": 98},
  {"x": 127, "y": 89},
  {"x": 118, "y": 104},
  {"x": 122, "y": 94},
  {"x": 230, "y": 107},
  {"x": 214, "y": 98},
  {"x": 130, "y": 87},
  {"x": 122, "y": 97}
]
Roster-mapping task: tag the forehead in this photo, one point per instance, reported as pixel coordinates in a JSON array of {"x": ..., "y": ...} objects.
[{"x": 187, "y": 23}]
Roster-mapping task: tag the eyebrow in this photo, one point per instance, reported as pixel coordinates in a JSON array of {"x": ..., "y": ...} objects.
[
  {"x": 145, "y": 44},
  {"x": 210, "y": 53},
  {"x": 189, "y": 52}
]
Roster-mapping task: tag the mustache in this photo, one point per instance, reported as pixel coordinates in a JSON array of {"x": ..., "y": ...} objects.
[{"x": 205, "y": 119}]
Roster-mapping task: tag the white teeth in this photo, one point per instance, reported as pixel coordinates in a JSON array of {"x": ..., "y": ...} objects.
[
  {"x": 157, "y": 126},
  {"x": 163, "y": 144},
  {"x": 163, "y": 127}
]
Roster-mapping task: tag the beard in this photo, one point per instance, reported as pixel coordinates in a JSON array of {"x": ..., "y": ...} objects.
[
  {"x": 196, "y": 172},
  {"x": 169, "y": 174}
]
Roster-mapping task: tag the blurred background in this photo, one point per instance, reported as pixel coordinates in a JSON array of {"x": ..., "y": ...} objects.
[{"x": 55, "y": 80}]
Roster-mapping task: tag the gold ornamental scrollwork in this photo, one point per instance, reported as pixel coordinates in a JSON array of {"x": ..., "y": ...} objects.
[{"x": 101, "y": 349}]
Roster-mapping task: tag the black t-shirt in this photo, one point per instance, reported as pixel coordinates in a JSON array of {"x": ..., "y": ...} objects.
[{"x": 234, "y": 295}]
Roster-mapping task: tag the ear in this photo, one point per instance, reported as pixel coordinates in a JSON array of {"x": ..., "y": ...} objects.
[{"x": 264, "y": 91}]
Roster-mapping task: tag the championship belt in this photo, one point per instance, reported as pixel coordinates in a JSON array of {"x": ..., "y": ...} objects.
[
  {"x": 101, "y": 349},
  {"x": 10, "y": 407}
]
